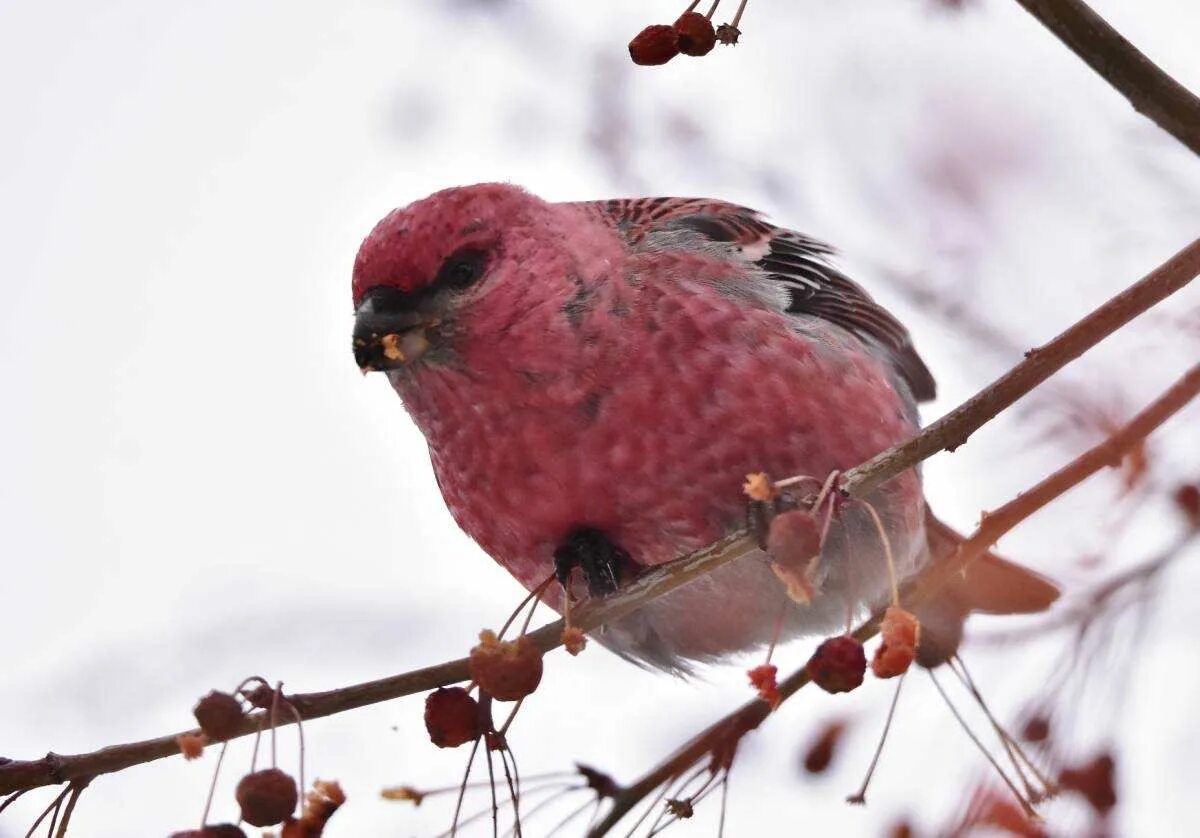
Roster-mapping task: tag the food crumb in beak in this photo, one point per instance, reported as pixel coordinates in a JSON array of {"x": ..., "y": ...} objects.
[{"x": 391, "y": 348}]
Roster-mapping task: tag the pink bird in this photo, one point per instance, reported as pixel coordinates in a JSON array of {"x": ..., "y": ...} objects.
[{"x": 595, "y": 380}]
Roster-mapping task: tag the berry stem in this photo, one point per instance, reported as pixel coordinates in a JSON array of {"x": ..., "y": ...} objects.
[
  {"x": 536, "y": 592},
  {"x": 737, "y": 18},
  {"x": 783, "y": 607},
  {"x": 274, "y": 717},
  {"x": 1026, "y": 806},
  {"x": 487, "y": 755},
  {"x": 711, "y": 11},
  {"x": 462, "y": 788},
  {"x": 860, "y": 796},
  {"x": 212, "y": 787},
  {"x": 300, "y": 733},
  {"x": 1012, "y": 746},
  {"x": 887, "y": 551}
]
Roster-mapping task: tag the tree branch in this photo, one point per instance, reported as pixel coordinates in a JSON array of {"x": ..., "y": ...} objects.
[
  {"x": 725, "y": 733},
  {"x": 1152, "y": 92},
  {"x": 953, "y": 429},
  {"x": 947, "y": 433}
]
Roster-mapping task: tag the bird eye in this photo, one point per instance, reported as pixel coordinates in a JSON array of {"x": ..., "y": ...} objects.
[{"x": 462, "y": 268}]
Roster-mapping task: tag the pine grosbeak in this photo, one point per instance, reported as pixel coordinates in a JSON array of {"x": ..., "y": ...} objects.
[{"x": 595, "y": 380}]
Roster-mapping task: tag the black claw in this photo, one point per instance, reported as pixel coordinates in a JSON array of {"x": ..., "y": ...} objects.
[
  {"x": 759, "y": 515},
  {"x": 599, "y": 558}
]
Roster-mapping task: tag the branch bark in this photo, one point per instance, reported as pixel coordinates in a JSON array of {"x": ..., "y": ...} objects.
[
  {"x": 1152, "y": 92},
  {"x": 993, "y": 525},
  {"x": 947, "y": 433}
]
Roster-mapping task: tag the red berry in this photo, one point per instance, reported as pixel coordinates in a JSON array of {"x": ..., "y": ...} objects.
[
  {"x": 452, "y": 717},
  {"x": 1036, "y": 729},
  {"x": 820, "y": 752},
  {"x": 1094, "y": 781},
  {"x": 266, "y": 797},
  {"x": 1187, "y": 498},
  {"x": 506, "y": 670},
  {"x": 654, "y": 45},
  {"x": 219, "y": 714},
  {"x": 838, "y": 665},
  {"x": 696, "y": 34}
]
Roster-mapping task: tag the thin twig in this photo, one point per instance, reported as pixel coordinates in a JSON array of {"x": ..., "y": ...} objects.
[
  {"x": 860, "y": 796},
  {"x": 70, "y": 810},
  {"x": 1152, "y": 92}
]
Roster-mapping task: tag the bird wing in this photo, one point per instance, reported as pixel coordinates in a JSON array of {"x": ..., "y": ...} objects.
[{"x": 800, "y": 264}]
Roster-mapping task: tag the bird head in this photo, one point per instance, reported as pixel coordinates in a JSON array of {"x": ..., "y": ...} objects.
[{"x": 443, "y": 270}]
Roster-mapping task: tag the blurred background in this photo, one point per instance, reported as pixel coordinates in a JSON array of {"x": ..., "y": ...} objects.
[{"x": 197, "y": 485}]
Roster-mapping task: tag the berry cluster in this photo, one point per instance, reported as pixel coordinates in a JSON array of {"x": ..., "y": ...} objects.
[
  {"x": 265, "y": 797},
  {"x": 692, "y": 34}
]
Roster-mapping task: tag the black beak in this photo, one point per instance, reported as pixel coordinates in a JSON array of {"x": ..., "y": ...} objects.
[{"x": 389, "y": 332}]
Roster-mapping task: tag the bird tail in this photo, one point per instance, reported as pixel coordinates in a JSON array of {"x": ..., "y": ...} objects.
[{"x": 990, "y": 585}]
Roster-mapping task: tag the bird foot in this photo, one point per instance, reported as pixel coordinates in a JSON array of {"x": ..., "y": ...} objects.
[
  {"x": 600, "y": 560},
  {"x": 759, "y": 515}
]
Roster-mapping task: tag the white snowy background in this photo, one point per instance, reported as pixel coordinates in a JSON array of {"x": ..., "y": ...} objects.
[{"x": 197, "y": 485}]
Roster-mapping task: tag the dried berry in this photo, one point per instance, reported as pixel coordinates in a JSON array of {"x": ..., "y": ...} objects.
[
  {"x": 1093, "y": 780},
  {"x": 727, "y": 34},
  {"x": 901, "y": 633},
  {"x": 266, "y": 797},
  {"x": 574, "y": 640},
  {"x": 762, "y": 678},
  {"x": 696, "y": 34},
  {"x": 681, "y": 809},
  {"x": 452, "y": 717},
  {"x": 1036, "y": 729},
  {"x": 506, "y": 670},
  {"x": 325, "y": 798},
  {"x": 191, "y": 745},
  {"x": 1187, "y": 498},
  {"x": 838, "y": 665},
  {"x": 656, "y": 44},
  {"x": 219, "y": 714},
  {"x": 820, "y": 752}
]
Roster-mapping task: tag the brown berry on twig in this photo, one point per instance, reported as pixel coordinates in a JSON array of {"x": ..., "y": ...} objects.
[
  {"x": 219, "y": 715},
  {"x": 820, "y": 752},
  {"x": 266, "y": 797},
  {"x": 900, "y": 633},
  {"x": 452, "y": 717},
  {"x": 696, "y": 34},
  {"x": 838, "y": 665},
  {"x": 654, "y": 45},
  {"x": 508, "y": 670}
]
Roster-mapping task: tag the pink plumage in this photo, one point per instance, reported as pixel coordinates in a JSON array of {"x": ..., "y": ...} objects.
[{"x": 620, "y": 367}]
